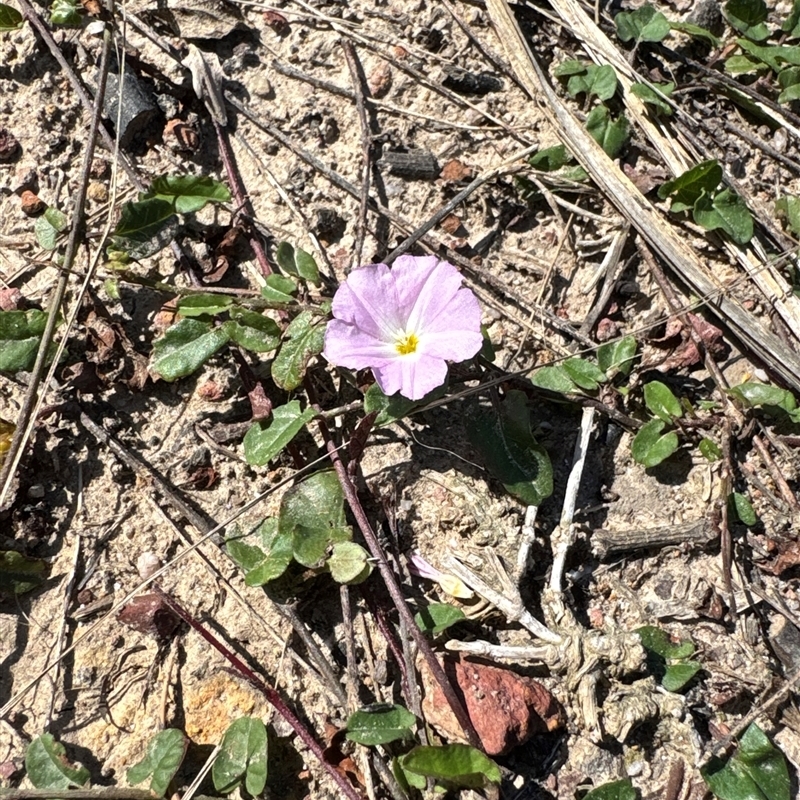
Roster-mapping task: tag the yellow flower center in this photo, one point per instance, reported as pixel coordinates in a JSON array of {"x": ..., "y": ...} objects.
[{"x": 408, "y": 344}]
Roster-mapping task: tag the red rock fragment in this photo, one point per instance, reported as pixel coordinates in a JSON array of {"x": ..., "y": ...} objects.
[
  {"x": 451, "y": 223},
  {"x": 31, "y": 204},
  {"x": 380, "y": 80},
  {"x": 455, "y": 170},
  {"x": 210, "y": 390},
  {"x": 180, "y": 135},
  {"x": 607, "y": 329},
  {"x": 505, "y": 708},
  {"x": 11, "y": 300},
  {"x": 277, "y": 22},
  {"x": 148, "y": 613}
]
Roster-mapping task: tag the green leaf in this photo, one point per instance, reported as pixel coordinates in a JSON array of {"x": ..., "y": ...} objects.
[
  {"x": 790, "y": 93},
  {"x": 789, "y": 207},
  {"x": 653, "y": 96},
  {"x": 555, "y": 379},
  {"x": 551, "y": 158},
  {"x": 710, "y": 450},
  {"x": 697, "y": 31},
  {"x": 748, "y": 17},
  {"x": 658, "y": 641},
  {"x": 390, "y": 408},
  {"x": 791, "y": 24},
  {"x": 727, "y": 211},
  {"x": 297, "y": 262},
  {"x": 243, "y": 754},
  {"x": 48, "y": 226},
  {"x": 437, "y": 617},
  {"x": 380, "y": 723},
  {"x": 184, "y": 347},
  {"x": 278, "y": 289},
  {"x": 265, "y": 439},
  {"x": 19, "y": 573},
  {"x": 775, "y": 56},
  {"x": 252, "y": 331},
  {"x": 687, "y": 188},
  {"x": 187, "y": 193},
  {"x": 48, "y": 768},
  {"x": 645, "y": 24},
  {"x": 145, "y": 227},
  {"x": 610, "y": 134},
  {"x": 753, "y": 393},
  {"x": 765, "y": 763},
  {"x": 268, "y": 559},
  {"x": 757, "y": 771},
  {"x": 314, "y": 512},
  {"x": 616, "y": 790},
  {"x": 583, "y": 373},
  {"x": 64, "y": 12},
  {"x": 598, "y": 81},
  {"x": 455, "y": 764},
  {"x": 164, "y": 756},
  {"x": 660, "y": 401},
  {"x": 510, "y": 452},
  {"x": 743, "y": 65},
  {"x": 10, "y": 18},
  {"x": 650, "y": 447},
  {"x": 349, "y": 563},
  {"x": 617, "y": 355},
  {"x": 20, "y": 334},
  {"x": 743, "y": 509},
  {"x": 304, "y": 338},
  {"x": 198, "y": 305},
  {"x": 677, "y": 676},
  {"x": 570, "y": 67}
]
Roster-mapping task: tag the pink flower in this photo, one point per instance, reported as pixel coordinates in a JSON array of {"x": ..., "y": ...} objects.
[{"x": 404, "y": 324}]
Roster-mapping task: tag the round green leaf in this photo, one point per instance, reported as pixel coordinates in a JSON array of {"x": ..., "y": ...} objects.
[
  {"x": 265, "y": 558},
  {"x": 660, "y": 401},
  {"x": 184, "y": 347},
  {"x": 436, "y": 617},
  {"x": 650, "y": 447},
  {"x": 457, "y": 764},
  {"x": 48, "y": 768},
  {"x": 379, "y": 724},
  {"x": 349, "y": 563},
  {"x": 264, "y": 440},
  {"x": 188, "y": 193},
  {"x": 10, "y": 18},
  {"x": 304, "y": 338},
  {"x": 243, "y": 754},
  {"x": 164, "y": 755}
]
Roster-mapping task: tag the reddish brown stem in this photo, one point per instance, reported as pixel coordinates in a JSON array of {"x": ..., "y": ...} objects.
[
  {"x": 243, "y": 203},
  {"x": 274, "y": 699},
  {"x": 351, "y": 495}
]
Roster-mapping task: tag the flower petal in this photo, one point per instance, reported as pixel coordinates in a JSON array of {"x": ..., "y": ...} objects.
[
  {"x": 432, "y": 287},
  {"x": 455, "y": 333},
  {"x": 368, "y": 299},
  {"x": 348, "y": 346},
  {"x": 412, "y": 377}
]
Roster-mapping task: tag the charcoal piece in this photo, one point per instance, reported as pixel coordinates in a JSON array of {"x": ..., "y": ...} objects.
[
  {"x": 463, "y": 82},
  {"x": 412, "y": 164},
  {"x": 138, "y": 109},
  {"x": 330, "y": 226}
]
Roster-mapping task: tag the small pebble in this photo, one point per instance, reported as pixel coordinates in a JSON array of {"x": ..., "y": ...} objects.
[
  {"x": 31, "y": 204},
  {"x": 9, "y": 146},
  {"x": 97, "y": 191},
  {"x": 36, "y": 492}
]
